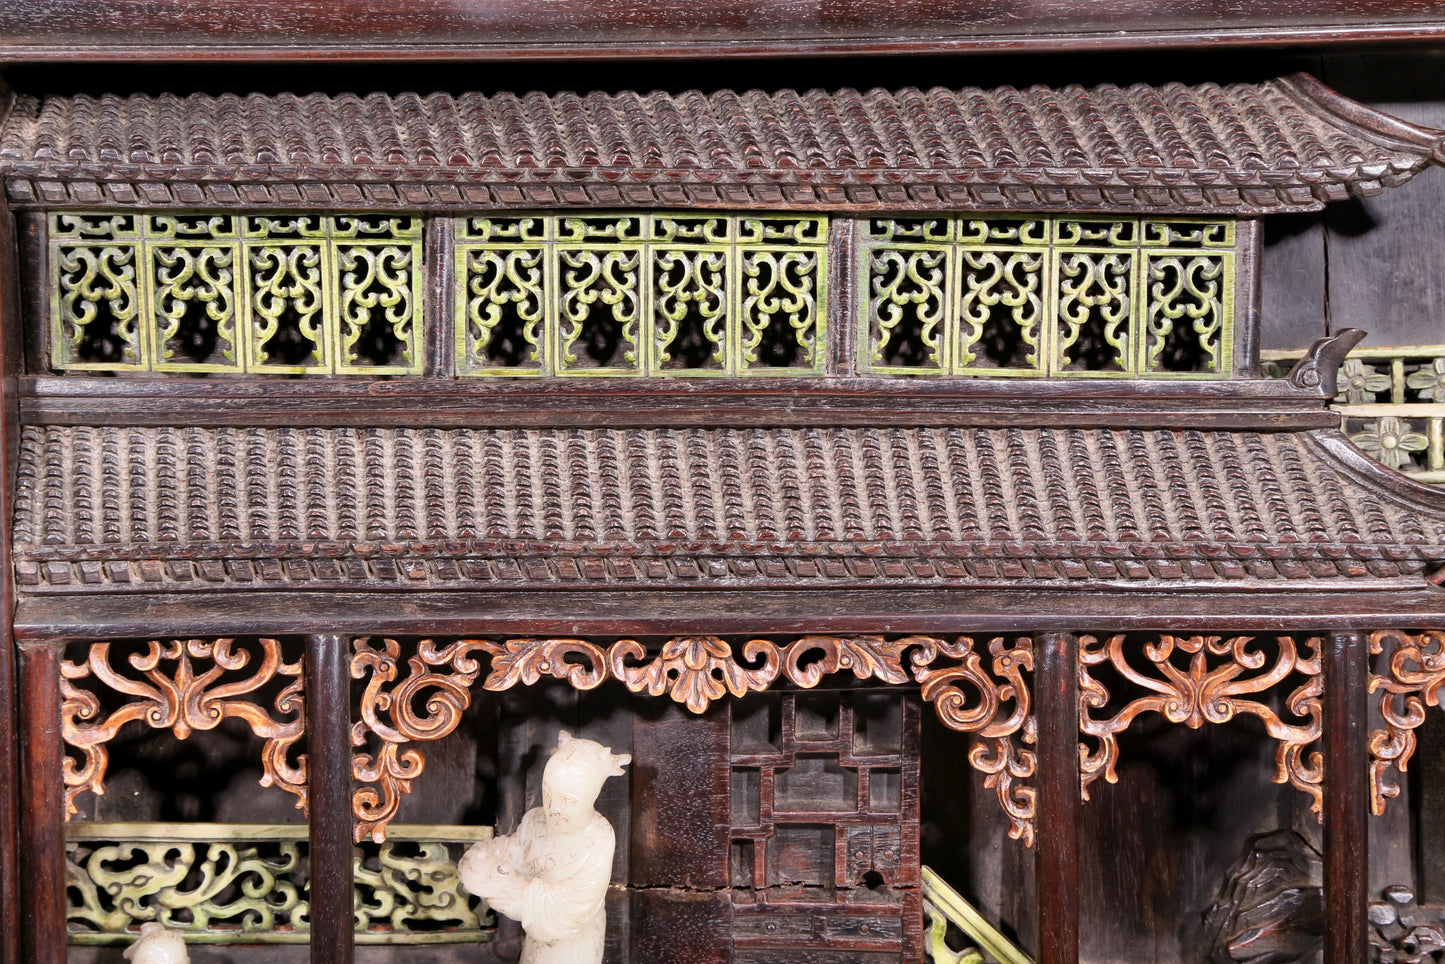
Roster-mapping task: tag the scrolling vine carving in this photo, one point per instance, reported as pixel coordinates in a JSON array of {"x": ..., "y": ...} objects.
[
  {"x": 1002, "y": 753},
  {"x": 182, "y": 686},
  {"x": 428, "y": 702},
  {"x": 1414, "y": 678},
  {"x": 1205, "y": 679}
]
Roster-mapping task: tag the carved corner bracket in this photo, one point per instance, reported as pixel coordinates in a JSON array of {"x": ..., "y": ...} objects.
[
  {"x": 1413, "y": 678},
  {"x": 183, "y": 686},
  {"x": 427, "y": 702},
  {"x": 1195, "y": 680}
]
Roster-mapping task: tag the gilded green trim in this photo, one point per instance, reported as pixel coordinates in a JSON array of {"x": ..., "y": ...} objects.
[
  {"x": 942, "y": 906},
  {"x": 1046, "y": 297},
  {"x": 641, "y": 295},
  {"x": 275, "y": 294},
  {"x": 246, "y": 884}
]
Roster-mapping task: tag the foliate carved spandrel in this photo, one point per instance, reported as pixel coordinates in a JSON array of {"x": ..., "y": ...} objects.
[
  {"x": 994, "y": 704},
  {"x": 528, "y": 660},
  {"x": 1195, "y": 680},
  {"x": 695, "y": 670},
  {"x": 390, "y": 714},
  {"x": 1412, "y": 681},
  {"x": 183, "y": 686}
]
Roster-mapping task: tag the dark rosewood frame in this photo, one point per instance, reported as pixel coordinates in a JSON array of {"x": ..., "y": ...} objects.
[{"x": 106, "y": 30}]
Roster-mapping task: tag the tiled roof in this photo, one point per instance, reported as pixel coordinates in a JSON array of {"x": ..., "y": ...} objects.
[
  {"x": 1287, "y": 143},
  {"x": 173, "y": 509}
]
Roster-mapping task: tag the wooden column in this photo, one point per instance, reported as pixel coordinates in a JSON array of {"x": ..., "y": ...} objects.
[
  {"x": 42, "y": 844},
  {"x": 1346, "y": 762},
  {"x": 10, "y": 356},
  {"x": 328, "y": 775},
  {"x": 1056, "y": 845}
]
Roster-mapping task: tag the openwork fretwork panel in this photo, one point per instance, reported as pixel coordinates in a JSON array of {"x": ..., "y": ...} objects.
[
  {"x": 1409, "y": 678},
  {"x": 185, "y": 686},
  {"x": 1047, "y": 296},
  {"x": 275, "y": 294},
  {"x": 248, "y": 884},
  {"x": 641, "y": 294},
  {"x": 1194, "y": 680}
]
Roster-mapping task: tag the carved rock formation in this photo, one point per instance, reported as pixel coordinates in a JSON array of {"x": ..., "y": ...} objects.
[{"x": 1271, "y": 907}]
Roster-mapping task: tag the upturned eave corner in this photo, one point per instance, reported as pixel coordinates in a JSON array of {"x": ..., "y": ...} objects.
[{"x": 1385, "y": 129}]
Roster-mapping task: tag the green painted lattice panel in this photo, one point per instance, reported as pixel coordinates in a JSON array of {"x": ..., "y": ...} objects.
[
  {"x": 641, "y": 295},
  {"x": 248, "y": 884},
  {"x": 263, "y": 293},
  {"x": 1047, "y": 297}
]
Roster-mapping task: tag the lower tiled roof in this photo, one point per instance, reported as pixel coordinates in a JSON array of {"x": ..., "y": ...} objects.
[{"x": 168, "y": 509}]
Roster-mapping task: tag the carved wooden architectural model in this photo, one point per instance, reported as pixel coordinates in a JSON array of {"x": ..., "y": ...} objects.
[{"x": 760, "y": 425}]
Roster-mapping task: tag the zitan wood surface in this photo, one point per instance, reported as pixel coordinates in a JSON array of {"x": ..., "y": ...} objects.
[
  {"x": 1346, "y": 832},
  {"x": 631, "y": 612},
  {"x": 42, "y": 847},
  {"x": 328, "y": 759},
  {"x": 613, "y": 403},
  {"x": 154, "y": 510},
  {"x": 1056, "y": 686},
  {"x": 10, "y": 795},
  {"x": 184, "y": 30},
  {"x": 1285, "y": 144}
]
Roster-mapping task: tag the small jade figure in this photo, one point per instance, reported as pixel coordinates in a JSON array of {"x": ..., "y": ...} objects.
[
  {"x": 157, "y": 945},
  {"x": 552, "y": 873}
]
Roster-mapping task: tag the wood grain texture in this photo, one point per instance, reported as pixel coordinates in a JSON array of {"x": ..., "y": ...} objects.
[
  {"x": 1056, "y": 690},
  {"x": 1386, "y": 251},
  {"x": 10, "y": 800},
  {"x": 1346, "y": 762},
  {"x": 328, "y": 752},
  {"x": 632, "y": 612},
  {"x": 42, "y": 851},
  {"x": 474, "y": 30}
]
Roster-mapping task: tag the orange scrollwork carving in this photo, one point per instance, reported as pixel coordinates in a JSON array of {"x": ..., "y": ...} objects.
[
  {"x": 182, "y": 686},
  {"x": 695, "y": 670},
  {"x": 1414, "y": 678},
  {"x": 971, "y": 699},
  {"x": 1205, "y": 679},
  {"x": 428, "y": 703}
]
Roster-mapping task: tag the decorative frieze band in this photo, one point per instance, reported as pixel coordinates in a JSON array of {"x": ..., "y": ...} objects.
[{"x": 977, "y": 686}]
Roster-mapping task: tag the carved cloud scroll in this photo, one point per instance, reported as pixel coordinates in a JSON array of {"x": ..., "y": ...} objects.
[{"x": 183, "y": 686}]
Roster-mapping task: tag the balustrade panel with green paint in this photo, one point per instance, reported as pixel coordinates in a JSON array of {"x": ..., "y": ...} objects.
[
  {"x": 1038, "y": 297},
  {"x": 641, "y": 294},
  {"x": 284, "y": 294}
]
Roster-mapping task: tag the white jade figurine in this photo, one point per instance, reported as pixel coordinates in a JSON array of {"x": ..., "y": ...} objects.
[
  {"x": 552, "y": 873},
  {"x": 157, "y": 945}
]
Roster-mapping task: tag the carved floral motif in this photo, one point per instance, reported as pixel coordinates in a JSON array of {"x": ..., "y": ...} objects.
[
  {"x": 182, "y": 686},
  {"x": 1413, "y": 679},
  {"x": 695, "y": 670},
  {"x": 1195, "y": 680}
]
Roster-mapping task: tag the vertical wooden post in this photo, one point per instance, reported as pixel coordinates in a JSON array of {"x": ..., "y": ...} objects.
[
  {"x": 42, "y": 845},
  {"x": 328, "y": 776},
  {"x": 1056, "y": 845},
  {"x": 1346, "y": 808},
  {"x": 10, "y": 356}
]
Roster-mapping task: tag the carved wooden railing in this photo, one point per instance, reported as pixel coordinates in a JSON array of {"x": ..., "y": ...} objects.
[
  {"x": 248, "y": 884},
  {"x": 1391, "y": 404},
  {"x": 943, "y": 906}
]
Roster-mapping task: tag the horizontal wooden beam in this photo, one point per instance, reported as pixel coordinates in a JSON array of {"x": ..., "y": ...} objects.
[
  {"x": 622, "y": 612},
  {"x": 1270, "y": 405},
  {"x": 473, "y": 30}
]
